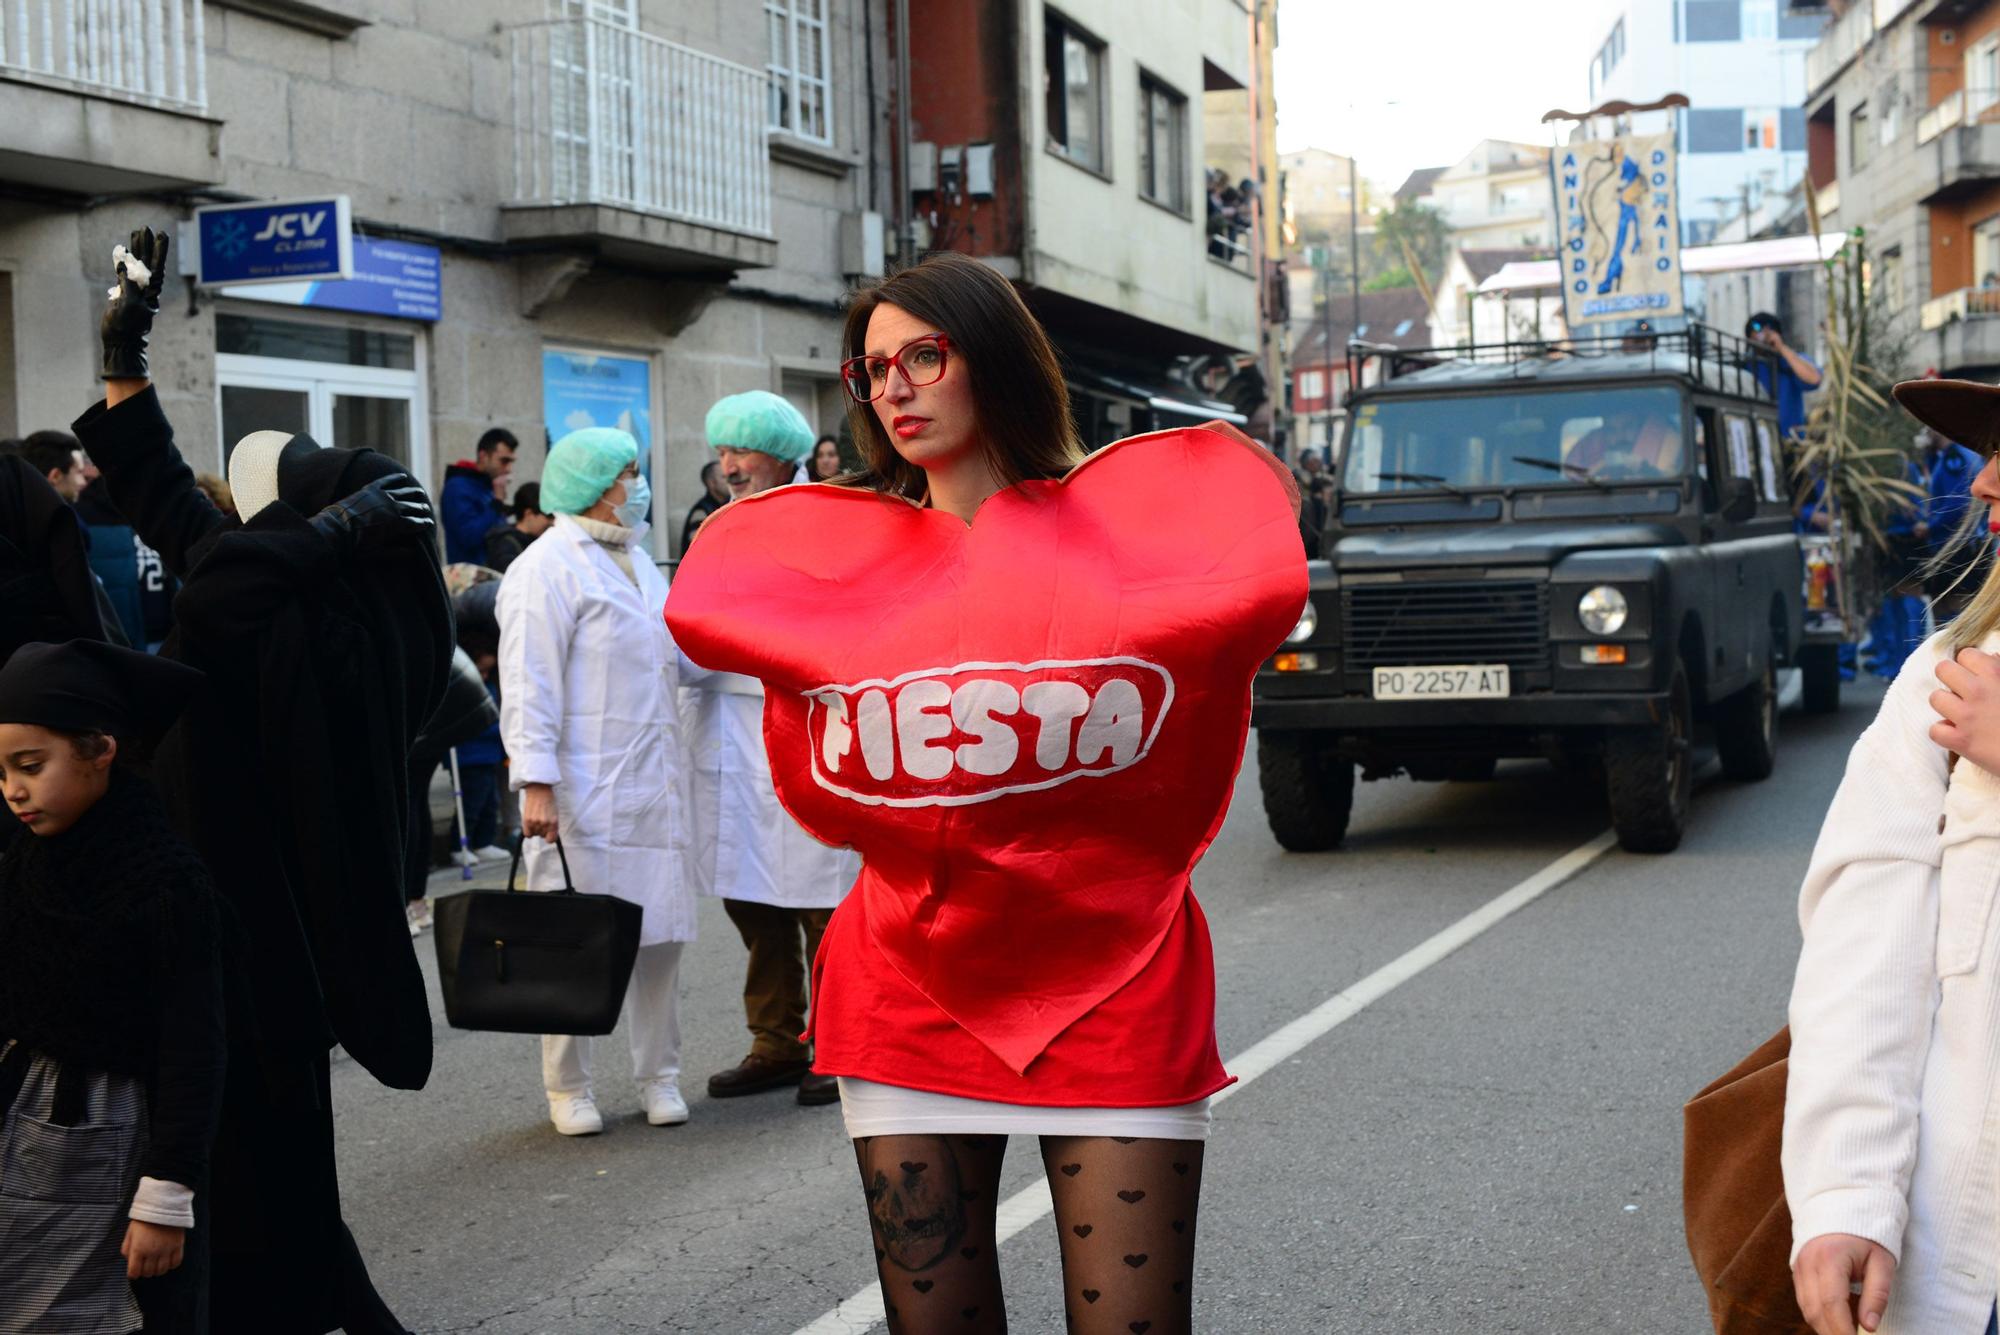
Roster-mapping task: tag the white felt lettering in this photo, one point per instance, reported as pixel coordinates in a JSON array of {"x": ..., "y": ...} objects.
[
  {"x": 1115, "y": 724},
  {"x": 878, "y": 735},
  {"x": 921, "y": 722},
  {"x": 1057, "y": 704},
  {"x": 973, "y": 707},
  {"x": 838, "y": 738}
]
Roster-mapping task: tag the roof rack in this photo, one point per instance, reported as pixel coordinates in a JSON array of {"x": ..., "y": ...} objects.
[{"x": 1717, "y": 360}]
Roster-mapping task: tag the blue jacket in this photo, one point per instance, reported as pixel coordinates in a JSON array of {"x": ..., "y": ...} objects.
[
  {"x": 469, "y": 511},
  {"x": 485, "y": 749},
  {"x": 1949, "y": 485}
]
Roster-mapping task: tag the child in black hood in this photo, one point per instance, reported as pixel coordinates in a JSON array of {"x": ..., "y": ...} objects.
[{"x": 111, "y": 1042}]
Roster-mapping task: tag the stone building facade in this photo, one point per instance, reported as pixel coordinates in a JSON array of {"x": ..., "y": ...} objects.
[{"x": 671, "y": 196}]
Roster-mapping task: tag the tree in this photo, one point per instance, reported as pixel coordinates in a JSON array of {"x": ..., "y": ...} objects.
[
  {"x": 1420, "y": 227},
  {"x": 1399, "y": 276}
]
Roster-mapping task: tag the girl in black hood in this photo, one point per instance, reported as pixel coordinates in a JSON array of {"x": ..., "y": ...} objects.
[{"x": 111, "y": 1045}]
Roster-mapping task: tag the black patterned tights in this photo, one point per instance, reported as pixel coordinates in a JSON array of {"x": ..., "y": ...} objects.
[{"x": 1125, "y": 1210}]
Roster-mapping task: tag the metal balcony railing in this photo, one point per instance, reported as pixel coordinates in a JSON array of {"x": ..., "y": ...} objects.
[
  {"x": 1968, "y": 303},
  {"x": 604, "y": 114},
  {"x": 151, "y": 52}
]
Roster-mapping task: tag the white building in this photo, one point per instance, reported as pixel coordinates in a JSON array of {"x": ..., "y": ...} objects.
[
  {"x": 1497, "y": 196},
  {"x": 1742, "y": 65}
]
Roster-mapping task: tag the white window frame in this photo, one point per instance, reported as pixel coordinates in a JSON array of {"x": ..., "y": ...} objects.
[
  {"x": 1178, "y": 197},
  {"x": 1982, "y": 77},
  {"x": 1100, "y": 63},
  {"x": 1985, "y": 248},
  {"x": 321, "y": 383},
  {"x": 1759, "y": 21},
  {"x": 1312, "y": 385},
  {"x": 1768, "y": 125},
  {"x": 789, "y": 84}
]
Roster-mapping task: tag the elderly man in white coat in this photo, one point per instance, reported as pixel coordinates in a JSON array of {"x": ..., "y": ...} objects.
[
  {"x": 589, "y": 713},
  {"x": 778, "y": 884}
]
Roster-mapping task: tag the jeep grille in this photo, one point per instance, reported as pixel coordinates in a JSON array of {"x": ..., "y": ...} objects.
[{"x": 1394, "y": 625}]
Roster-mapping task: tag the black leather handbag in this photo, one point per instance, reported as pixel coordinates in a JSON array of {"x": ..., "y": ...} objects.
[{"x": 520, "y": 962}]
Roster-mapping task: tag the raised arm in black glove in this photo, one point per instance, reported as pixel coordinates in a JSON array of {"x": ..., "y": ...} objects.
[
  {"x": 128, "y": 317},
  {"x": 386, "y": 512}
]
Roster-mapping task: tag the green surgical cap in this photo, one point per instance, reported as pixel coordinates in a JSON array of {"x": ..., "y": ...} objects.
[
  {"x": 762, "y": 421},
  {"x": 582, "y": 466}
]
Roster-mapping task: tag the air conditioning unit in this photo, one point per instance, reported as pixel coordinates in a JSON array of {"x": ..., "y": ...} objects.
[
  {"x": 923, "y": 167},
  {"x": 862, "y": 245}
]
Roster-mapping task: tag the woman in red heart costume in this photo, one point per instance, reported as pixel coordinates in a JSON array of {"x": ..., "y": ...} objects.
[{"x": 1018, "y": 682}]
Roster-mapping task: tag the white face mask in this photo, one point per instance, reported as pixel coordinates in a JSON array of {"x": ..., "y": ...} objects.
[{"x": 638, "y": 499}]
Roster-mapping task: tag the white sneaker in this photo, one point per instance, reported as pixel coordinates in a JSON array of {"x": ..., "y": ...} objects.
[
  {"x": 575, "y": 1114},
  {"x": 465, "y": 857},
  {"x": 493, "y": 853},
  {"x": 663, "y": 1102},
  {"x": 419, "y": 912}
]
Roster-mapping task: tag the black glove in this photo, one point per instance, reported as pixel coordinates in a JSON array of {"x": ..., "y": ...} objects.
[
  {"x": 128, "y": 318},
  {"x": 386, "y": 512}
]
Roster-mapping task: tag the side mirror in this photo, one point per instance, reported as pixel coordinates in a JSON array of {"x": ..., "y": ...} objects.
[{"x": 1739, "y": 504}]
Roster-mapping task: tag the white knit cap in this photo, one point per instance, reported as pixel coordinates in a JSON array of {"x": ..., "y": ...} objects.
[{"x": 253, "y": 471}]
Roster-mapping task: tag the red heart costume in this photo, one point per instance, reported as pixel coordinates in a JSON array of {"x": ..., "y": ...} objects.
[{"x": 1030, "y": 728}]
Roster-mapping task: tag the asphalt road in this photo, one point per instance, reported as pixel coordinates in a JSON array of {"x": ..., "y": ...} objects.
[{"x": 1494, "y": 1146}]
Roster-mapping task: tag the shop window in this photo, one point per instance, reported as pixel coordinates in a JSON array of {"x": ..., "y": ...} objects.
[
  {"x": 798, "y": 67},
  {"x": 1163, "y": 173},
  {"x": 1073, "y": 67}
]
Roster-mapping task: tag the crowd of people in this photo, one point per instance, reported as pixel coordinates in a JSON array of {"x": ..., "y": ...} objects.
[{"x": 236, "y": 797}]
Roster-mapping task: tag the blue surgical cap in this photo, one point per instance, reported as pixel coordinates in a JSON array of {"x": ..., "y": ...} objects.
[
  {"x": 582, "y": 466},
  {"x": 762, "y": 421}
]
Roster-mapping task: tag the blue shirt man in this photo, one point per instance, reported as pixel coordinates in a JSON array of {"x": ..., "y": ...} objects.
[
  {"x": 1786, "y": 376},
  {"x": 1948, "y": 472},
  {"x": 471, "y": 505}
]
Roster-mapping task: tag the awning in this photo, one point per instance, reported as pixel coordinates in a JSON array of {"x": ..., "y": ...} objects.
[
  {"x": 1780, "y": 252},
  {"x": 1149, "y": 389}
]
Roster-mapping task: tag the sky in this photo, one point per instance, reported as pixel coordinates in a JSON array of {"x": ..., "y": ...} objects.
[{"x": 1460, "y": 70}]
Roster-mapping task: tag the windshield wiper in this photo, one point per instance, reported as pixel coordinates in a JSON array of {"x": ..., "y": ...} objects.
[
  {"x": 1423, "y": 480},
  {"x": 1576, "y": 471}
]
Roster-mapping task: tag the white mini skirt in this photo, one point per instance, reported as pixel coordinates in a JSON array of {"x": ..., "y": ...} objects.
[{"x": 871, "y": 1109}]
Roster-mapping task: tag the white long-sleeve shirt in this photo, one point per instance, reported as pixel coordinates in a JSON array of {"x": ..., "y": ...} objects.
[{"x": 1890, "y": 1120}]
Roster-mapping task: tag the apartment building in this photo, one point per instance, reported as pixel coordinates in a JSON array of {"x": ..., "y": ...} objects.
[
  {"x": 564, "y": 210},
  {"x": 1903, "y": 126},
  {"x": 620, "y": 210},
  {"x": 1070, "y": 146},
  {"x": 1497, "y": 196},
  {"x": 1741, "y": 64}
]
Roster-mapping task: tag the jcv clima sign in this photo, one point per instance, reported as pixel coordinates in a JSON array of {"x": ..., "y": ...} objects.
[{"x": 283, "y": 241}]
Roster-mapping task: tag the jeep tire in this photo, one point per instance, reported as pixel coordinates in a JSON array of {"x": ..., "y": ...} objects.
[
  {"x": 1819, "y": 665},
  {"x": 1649, "y": 775},
  {"x": 1746, "y": 729},
  {"x": 1308, "y": 791}
]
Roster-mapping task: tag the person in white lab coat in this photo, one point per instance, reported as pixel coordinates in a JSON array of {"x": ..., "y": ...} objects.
[
  {"x": 588, "y": 686},
  {"x": 778, "y": 884}
]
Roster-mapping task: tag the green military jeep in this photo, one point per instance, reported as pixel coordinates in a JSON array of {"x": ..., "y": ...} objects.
[{"x": 1580, "y": 551}]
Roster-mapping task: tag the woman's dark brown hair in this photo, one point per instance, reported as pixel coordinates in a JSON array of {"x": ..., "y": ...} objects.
[{"x": 1017, "y": 384}]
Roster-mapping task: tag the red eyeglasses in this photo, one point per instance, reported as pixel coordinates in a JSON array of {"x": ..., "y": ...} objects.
[{"x": 921, "y": 360}]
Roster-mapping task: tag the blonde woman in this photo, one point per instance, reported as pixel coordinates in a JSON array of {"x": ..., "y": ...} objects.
[{"x": 1892, "y": 1130}]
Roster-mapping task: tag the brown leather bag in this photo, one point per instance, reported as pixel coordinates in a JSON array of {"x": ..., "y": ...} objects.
[{"x": 1739, "y": 1229}]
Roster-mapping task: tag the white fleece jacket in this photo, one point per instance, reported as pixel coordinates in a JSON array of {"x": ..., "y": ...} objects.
[{"x": 1891, "y": 1129}]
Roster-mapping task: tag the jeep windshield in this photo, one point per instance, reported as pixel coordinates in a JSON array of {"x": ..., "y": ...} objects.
[{"x": 1503, "y": 441}]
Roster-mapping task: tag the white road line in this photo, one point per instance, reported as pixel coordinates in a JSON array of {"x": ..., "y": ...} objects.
[{"x": 863, "y": 1311}]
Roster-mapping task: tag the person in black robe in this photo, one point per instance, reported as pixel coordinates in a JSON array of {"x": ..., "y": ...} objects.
[
  {"x": 322, "y": 622},
  {"x": 46, "y": 589}
]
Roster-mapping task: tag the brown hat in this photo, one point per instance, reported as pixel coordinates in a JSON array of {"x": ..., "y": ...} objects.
[{"x": 1961, "y": 410}]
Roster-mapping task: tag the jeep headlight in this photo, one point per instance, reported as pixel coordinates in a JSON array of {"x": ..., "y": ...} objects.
[
  {"x": 1308, "y": 623},
  {"x": 1603, "y": 610}
]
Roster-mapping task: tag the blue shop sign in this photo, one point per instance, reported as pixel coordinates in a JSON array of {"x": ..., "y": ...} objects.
[
  {"x": 397, "y": 278},
  {"x": 274, "y": 242}
]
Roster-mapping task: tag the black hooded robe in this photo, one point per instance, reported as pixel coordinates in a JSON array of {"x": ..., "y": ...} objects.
[
  {"x": 290, "y": 776},
  {"x": 46, "y": 588}
]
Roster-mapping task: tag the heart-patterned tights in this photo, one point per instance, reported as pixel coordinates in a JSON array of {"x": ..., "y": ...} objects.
[{"x": 1124, "y": 1208}]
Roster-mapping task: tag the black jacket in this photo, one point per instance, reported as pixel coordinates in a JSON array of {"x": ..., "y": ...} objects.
[
  {"x": 46, "y": 589},
  {"x": 290, "y": 773},
  {"x": 110, "y": 960}
]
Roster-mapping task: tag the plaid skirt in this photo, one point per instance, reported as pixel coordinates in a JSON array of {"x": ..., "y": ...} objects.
[{"x": 70, "y": 1145}]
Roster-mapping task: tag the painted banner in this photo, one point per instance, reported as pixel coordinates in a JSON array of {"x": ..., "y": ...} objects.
[
  {"x": 581, "y": 389},
  {"x": 1621, "y": 229}
]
